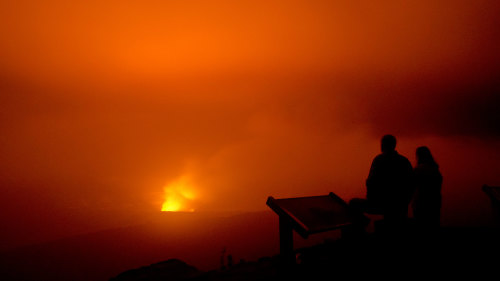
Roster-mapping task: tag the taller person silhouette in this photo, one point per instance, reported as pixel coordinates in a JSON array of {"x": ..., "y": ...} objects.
[{"x": 389, "y": 186}]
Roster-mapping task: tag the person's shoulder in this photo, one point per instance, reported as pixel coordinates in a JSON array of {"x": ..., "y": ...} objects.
[
  {"x": 426, "y": 167},
  {"x": 379, "y": 157},
  {"x": 419, "y": 168},
  {"x": 403, "y": 159},
  {"x": 377, "y": 161}
]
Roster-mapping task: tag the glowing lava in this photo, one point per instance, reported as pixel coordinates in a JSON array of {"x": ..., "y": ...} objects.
[{"x": 179, "y": 196}]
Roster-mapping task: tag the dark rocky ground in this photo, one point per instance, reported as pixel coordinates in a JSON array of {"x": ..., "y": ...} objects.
[{"x": 452, "y": 253}]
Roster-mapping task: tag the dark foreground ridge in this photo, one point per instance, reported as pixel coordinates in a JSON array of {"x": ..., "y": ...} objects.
[
  {"x": 172, "y": 269},
  {"x": 453, "y": 252}
]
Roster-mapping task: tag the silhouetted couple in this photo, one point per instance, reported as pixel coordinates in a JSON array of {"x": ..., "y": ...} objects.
[{"x": 392, "y": 183}]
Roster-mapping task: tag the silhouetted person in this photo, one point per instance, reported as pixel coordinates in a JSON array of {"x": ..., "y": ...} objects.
[
  {"x": 428, "y": 180},
  {"x": 389, "y": 186}
]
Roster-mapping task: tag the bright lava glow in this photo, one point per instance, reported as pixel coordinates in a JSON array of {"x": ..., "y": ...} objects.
[{"x": 179, "y": 196}]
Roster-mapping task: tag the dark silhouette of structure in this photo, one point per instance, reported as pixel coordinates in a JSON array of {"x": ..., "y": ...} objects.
[
  {"x": 389, "y": 186},
  {"x": 493, "y": 193},
  {"x": 428, "y": 181},
  {"x": 307, "y": 215}
]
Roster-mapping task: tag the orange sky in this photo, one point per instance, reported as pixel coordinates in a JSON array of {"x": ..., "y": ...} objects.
[{"x": 103, "y": 103}]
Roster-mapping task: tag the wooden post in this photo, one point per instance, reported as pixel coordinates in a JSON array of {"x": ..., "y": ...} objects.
[{"x": 286, "y": 241}]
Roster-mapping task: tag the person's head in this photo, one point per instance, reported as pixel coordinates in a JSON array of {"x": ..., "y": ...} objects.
[
  {"x": 424, "y": 156},
  {"x": 388, "y": 143}
]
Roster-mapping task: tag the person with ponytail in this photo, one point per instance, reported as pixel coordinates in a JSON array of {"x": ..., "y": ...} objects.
[{"x": 428, "y": 181}]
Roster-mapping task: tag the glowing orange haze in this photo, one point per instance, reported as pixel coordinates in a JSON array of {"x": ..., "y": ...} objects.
[{"x": 107, "y": 106}]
